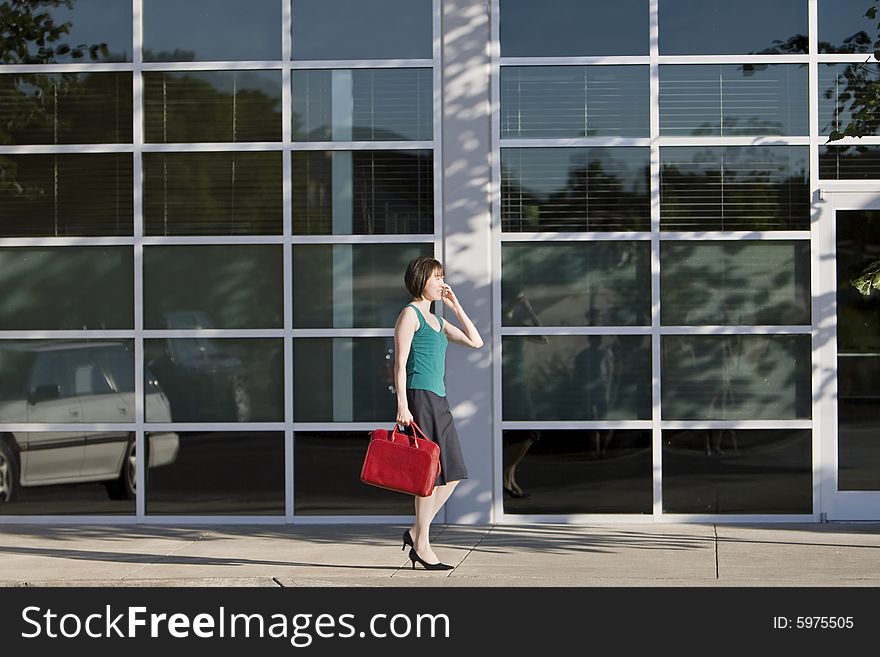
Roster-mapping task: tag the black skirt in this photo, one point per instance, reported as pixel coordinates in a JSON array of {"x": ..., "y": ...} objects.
[{"x": 431, "y": 412}]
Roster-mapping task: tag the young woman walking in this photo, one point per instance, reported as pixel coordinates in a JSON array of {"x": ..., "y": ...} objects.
[{"x": 420, "y": 340}]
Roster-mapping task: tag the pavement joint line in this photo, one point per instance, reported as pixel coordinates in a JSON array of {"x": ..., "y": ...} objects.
[
  {"x": 201, "y": 536},
  {"x": 715, "y": 543},
  {"x": 470, "y": 550}
]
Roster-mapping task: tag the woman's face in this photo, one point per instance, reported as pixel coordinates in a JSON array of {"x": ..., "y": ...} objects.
[{"x": 434, "y": 286}]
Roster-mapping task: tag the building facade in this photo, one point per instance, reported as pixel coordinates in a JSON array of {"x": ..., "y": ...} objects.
[{"x": 206, "y": 208}]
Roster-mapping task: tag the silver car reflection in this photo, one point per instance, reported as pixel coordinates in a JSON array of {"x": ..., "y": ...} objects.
[{"x": 70, "y": 382}]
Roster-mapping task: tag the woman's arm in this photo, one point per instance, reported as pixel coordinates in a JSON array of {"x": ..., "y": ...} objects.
[
  {"x": 404, "y": 328},
  {"x": 470, "y": 337}
]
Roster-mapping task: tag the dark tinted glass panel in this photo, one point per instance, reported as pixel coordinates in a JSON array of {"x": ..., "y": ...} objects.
[
  {"x": 570, "y": 28},
  {"x": 66, "y": 288},
  {"x": 343, "y": 379},
  {"x": 66, "y": 32},
  {"x": 65, "y": 108},
  {"x": 205, "y": 287},
  {"x": 379, "y": 29},
  {"x": 65, "y": 194},
  {"x": 844, "y": 91},
  {"x": 327, "y": 477},
  {"x": 216, "y": 379},
  {"x": 206, "y": 106},
  {"x": 235, "y": 473},
  {"x": 576, "y": 284},
  {"x": 351, "y": 285},
  {"x": 574, "y": 101},
  {"x": 363, "y": 192},
  {"x": 583, "y": 471},
  {"x": 858, "y": 346},
  {"x": 575, "y": 189},
  {"x": 576, "y": 377},
  {"x": 363, "y": 104},
  {"x": 734, "y": 188},
  {"x": 737, "y": 471},
  {"x": 720, "y": 27},
  {"x": 211, "y": 30},
  {"x": 66, "y": 381},
  {"x": 735, "y": 99},
  {"x": 734, "y": 283},
  {"x": 68, "y": 472},
  {"x": 854, "y": 162},
  {"x": 843, "y": 26},
  {"x": 212, "y": 193},
  {"x": 736, "y": 377}
]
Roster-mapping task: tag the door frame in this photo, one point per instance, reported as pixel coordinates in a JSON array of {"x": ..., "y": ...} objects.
[{"x": 835, "y": 196}]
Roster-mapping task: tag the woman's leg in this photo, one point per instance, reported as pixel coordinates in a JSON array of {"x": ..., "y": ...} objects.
[
  {"x": 422, "y": 527},
  {"x": 426, "y": 509}
]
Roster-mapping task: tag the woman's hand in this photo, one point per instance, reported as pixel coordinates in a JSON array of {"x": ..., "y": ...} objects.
[
  {"x": 404, "y": 417},
  {"x": 449, "y": 297}
]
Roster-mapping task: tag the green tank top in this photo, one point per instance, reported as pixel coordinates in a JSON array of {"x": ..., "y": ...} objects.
[{"x": 426, "y": 363}]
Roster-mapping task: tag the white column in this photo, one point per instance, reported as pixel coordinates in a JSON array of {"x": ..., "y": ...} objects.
[{"x": 467, "y": 243}]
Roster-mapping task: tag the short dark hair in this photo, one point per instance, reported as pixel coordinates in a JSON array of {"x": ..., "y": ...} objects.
[{"x": 418, "y": 271}]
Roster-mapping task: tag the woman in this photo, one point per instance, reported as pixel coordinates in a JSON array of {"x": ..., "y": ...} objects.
[{"x": 420, "y": 340}]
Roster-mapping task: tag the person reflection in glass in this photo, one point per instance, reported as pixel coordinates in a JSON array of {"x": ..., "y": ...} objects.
[
  {"x": 516, "y": 393},
  {"x": 594, "y": 373}
]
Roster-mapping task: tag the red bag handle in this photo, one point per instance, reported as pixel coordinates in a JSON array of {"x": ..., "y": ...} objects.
[{"x": 413, "y": 438}]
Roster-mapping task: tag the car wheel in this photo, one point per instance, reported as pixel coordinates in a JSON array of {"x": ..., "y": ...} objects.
[
  {"x": 241, "y": 400},
  {"x": 9, "y": 480},
  {"x": 125, "y": 486}
]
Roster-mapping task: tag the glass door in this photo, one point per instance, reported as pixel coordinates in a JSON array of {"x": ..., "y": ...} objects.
[{"x": 853, "y": 455}]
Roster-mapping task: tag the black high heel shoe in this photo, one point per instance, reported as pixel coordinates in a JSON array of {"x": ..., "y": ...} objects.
[
  {"x": 407, "y": 540},
  {"x": 414, "y": 556}
]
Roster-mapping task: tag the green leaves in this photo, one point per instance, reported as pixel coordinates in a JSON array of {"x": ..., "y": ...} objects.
[{"x": 869, "y": 279}]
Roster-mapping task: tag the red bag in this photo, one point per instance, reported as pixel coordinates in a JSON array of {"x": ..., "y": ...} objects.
[{"x": 400, "y": 462}]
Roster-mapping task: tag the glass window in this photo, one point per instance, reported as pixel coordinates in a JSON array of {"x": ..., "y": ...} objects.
[
  {"x": 844, "y": 91},
  {"x": 580, "y": 471},
  {"x": 212, "y": 30},
  {"x": 379, "y": 29},
  {"x": 734, "y": 283},
  {"x": 363, "y": 192},
  {"x": 737, "y": 471},
  {"x": 576, "y": 284},
  {"x": 736, "y": 377},
  {"x": 326, "y": 477},
  {"x": 216, "y": 379},
  {"x": 858, "y": 353},
  {"x": 843, "y": 26},
  {"x": 66, "y": 108},
  {"x": 363, "y": 104},
  {"x": 231, "y": 193},
  {"x": 854, "y": 162},
  {"x": 721, "y": 27},
  {"x": 576, "y": 377},
  {"x": 734, "y": 188},
  {"x": 68, "y": 473},
  {"x": 66, "y": 194},
  {"x": 343, "y": 379},
  {"x": 574, "y": 101},
  {"x": 205, "y": 287},
  {"x": 575, "y": 189},
  {"x": 66, "y": 288},
  {"x": 212, "y": 106},
  {"x": 67, "y": 32},
  {"x": 571, "y": 28},
  {"x": 734, "y": 99},
  {"x": 351, "y": 285},
  {"x": 215, "y": 473},
  {"x": 65, "y": 381}
]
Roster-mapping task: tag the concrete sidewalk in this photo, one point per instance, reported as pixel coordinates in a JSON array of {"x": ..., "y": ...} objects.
[{"x": 370, "y": 555}]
